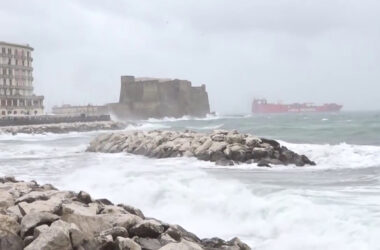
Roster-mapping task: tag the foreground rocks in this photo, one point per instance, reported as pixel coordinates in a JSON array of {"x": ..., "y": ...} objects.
[
  {"x": 220, "y": 146},
  {"x": 60, "y": 128},
  {"x": 35, "y": 217}
]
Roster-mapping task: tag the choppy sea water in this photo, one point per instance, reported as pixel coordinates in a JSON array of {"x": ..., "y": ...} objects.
[{"x": 334, "y": 205}]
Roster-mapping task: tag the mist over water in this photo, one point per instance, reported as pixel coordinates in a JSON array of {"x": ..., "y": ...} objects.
[{"x": 334, "y": 205}]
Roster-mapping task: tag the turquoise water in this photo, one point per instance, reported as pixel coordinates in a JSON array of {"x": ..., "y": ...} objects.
[
  {"x": 361, "y": 128},
  {"x": 331, "y": 206}
]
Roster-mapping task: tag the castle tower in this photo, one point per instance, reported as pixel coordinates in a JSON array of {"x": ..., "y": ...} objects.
[{"x": 16, "y": 82}]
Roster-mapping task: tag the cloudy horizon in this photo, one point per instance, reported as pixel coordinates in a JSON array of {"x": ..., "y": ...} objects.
[{"x": 288, "y": 50}]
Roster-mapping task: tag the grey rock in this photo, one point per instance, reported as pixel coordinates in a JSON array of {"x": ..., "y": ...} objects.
[
  {"x": 32, "y": 220},
  {"x": 166, "y": 239},
  {"x": 126, "y": 244},
  {"x": 148, "y": 243},
  {"x": 84, "y": 197},
  {"x": 40, "y": 229},
  {"x": 95, "y": 224},
  {"x": 6, "y": 199},
  {"x": 10, "y": 241},
  {"x": 183, "y": 245},
  {"x": 132, "y": 210},
  {"x": 35, "y": 195},
  {"x": 80, "y": 208},
  {"x": 116, "y": 232},
  {"x": 147, "y": 228},
  {"x": 110, "y": 209},
  {"x": 213, "y": 243},
  {"x": 10, "y": 224},
  {"x": 28, "y": 240},
  {"x": 273, "y": 143},
  {"x": 259, "y": 153},
  {"x": 177, "y": 233},
  {"x": 103, "y": 202},
  {"x": 237, "y": 242},
  {"x": 54, "y": 238},
  {"x": 5, "y": 179}
]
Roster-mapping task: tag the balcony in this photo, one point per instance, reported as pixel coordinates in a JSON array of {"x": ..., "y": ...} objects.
[{"x": 14, "y": 66}]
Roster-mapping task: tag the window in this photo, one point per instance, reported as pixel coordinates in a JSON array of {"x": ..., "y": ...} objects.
[
  {"x": 3, "y": 113},
  {"x": 15, "y": 112},
  {"x": 9, "y": 51},
  {"x": 9, "y": 61},
  {"x": 3, "y": 50}
]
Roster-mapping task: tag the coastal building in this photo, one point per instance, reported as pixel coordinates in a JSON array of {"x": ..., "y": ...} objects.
[
  {"x": 16, "y": 82},
  {"x": 87, "y": 110},
  {"x": 158, "y": 97}
]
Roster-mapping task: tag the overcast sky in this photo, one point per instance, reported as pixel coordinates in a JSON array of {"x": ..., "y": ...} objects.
[{"x": 289, "y": 50}]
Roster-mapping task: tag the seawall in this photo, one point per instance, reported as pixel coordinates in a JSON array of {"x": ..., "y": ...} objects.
[{"x": 49, "y": 119}]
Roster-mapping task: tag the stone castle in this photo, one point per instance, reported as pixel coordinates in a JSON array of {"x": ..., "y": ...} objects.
[{"x": 142, "y": 98}]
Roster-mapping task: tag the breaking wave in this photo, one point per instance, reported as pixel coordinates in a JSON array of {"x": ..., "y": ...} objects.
[
  {"x": 186, "y": 118},
  {"x": 342, "y": 155}
]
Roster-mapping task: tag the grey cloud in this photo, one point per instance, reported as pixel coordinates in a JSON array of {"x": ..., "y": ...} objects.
[{"x": 291, "y": 50}]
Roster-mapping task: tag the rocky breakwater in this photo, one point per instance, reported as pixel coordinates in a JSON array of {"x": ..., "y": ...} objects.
[
  {"x": 35, "y": 217},
  {"x": 222, "y": 147},
  {"x": 60, "y": 128}
]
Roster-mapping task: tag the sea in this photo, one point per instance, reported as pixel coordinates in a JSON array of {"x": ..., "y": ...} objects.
[{"x": 333, "y": 205}]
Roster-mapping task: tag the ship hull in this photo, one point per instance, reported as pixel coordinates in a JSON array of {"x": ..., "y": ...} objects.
[{"x": 260, "y": 106}]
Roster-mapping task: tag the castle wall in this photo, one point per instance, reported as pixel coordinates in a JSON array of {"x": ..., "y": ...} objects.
[{"x": 160, "y": 98}]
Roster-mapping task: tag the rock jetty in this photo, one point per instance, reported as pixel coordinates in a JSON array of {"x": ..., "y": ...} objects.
[
  {"x": 221, "y": 146},
  {"x": 40, "y": 217},
  {"x": 60, "y": 128}
]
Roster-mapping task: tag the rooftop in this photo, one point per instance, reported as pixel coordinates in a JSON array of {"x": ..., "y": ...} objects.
[
  {"x": 143, "y": 79},
  {"x": 25, "y": 46}
]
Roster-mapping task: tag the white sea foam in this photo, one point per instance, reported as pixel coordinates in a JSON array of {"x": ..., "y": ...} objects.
[
  {"x": 290, "y": 209},
  {"x": 217, "y": 126},
  {"x": 185, "y": 118},
  {"x": 339, "y": 156},
  {"x": 147, "y": 126},
  {"x": 178, "y": 191}
]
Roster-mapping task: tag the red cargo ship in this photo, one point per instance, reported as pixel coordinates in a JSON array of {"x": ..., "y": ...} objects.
[{"x": 262, "y": 106}]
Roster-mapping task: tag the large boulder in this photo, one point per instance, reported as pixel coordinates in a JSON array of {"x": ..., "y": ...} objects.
[
  {"x": 59, "y": 236},
  {"x": 6, "y": 199},
  {"x": 10, "y": 224},
  {"x": 10, "y": 241},
  {"x": 183, "y": 245},
  {"x": 147, "y": 228},
  {"x": 127, "y": 244},
  {"x": 32, "y": 220}
]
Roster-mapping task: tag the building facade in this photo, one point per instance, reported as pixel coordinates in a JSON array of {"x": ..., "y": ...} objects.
[
  {"x": 16, "y": 82},
  {"x": 89, "y": 110}
]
